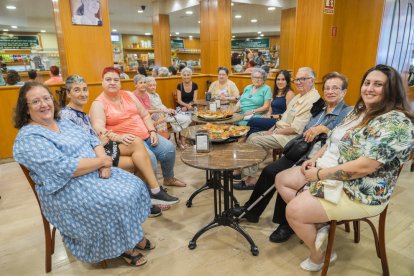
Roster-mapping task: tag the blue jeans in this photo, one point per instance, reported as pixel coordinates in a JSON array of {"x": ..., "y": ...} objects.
[
  {"x": 257, "y": 124},
  {"x": 163, "y": 152}
]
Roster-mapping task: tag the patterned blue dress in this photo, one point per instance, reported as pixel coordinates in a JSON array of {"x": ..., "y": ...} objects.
[{"x": 98, "y": 218}]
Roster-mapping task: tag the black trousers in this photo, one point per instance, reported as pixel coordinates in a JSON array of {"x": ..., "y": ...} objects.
[{"x": 265, "y": 181}]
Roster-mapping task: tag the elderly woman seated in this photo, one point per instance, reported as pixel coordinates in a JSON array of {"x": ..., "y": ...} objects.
[
  {"x": 354, "y": 174},
  {"x": 122, "y": 113},
  {"x": 98, "y": 209},
  {"x": 256, "y": 97},
  {"x": 223, "y": 88},
  {"x": 132, "y": 157}
]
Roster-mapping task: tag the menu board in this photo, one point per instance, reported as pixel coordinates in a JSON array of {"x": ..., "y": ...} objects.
[
  {"x": 177, "y": 43},
  {"x": 250, "y": 43},
  {"x": 19, "y": 42}
]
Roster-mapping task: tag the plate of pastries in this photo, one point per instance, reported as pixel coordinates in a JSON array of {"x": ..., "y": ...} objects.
[
  {"x": 223, "y": 132},
  {"x": 214, "y": 115}
]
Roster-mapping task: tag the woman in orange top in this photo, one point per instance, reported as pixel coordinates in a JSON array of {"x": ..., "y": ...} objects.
[{"x": 122, "y": 113}]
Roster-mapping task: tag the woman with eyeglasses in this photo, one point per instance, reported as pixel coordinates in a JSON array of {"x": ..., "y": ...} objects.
[
  {"x": 353, "y": 176},
  {"x": 282, "y": 95},
  {"x": 98, "y": 209},
  {"x": 256, "y": 97},
  {"x": 223, "y": 88}
]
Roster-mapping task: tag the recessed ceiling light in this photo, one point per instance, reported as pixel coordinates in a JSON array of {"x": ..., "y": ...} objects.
[
  {"x": 147, "y": 33},
  {"x": 189, "y": 12},
  {"x": 10, "y": 7},
  {"x": 271, "y": 8},
  {"x": 42, "y": 31},
  {"x": 114, "y": 30},
  {"x": 5, "y": 30},
  {"x": 233, "y": 36},
  {"x": 177, "y": 33},
  {"x": 190, "y": 36},
  {"x": 237, "y": 16},
  {"x": 253, "y": 20},
  {"x": 232, "y": 4},
  {"x": 198, "y": 21},
  {"x": 14, "y": 27},
  {"x": 259, "y": 32},
  {"x": 140, "y": 11},
  {"x": 262, "y": 35}
]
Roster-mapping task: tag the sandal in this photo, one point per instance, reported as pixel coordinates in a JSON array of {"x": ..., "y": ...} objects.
[
  {"x": 148, "y": 245},
  {"x": 136, "y": 260},
  {"x": 174, "y": 182}
]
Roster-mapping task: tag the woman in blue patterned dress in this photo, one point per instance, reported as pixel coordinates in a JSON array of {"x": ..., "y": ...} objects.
[
  {"x": 98, "y": 209},
  {"x": 354, "y": 174}
]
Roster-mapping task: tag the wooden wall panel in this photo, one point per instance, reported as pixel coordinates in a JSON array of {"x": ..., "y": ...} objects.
[
  {"x": 287, "y": 38},
  {"x": 192, "y": 43},
  {"x": 161, "y": 34},
  {"x": 83, "y": 50}
]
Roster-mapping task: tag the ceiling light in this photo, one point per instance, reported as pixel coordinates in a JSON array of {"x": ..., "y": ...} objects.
[
  {"x": 114, "y": 30},
  {"x": 190, "y": 36},
  {"x": 14, "y": 27},
  {"x": 237, "y": 16},
  {"x": 232, "y": 4},
  {"x": 189, "y": 12},
  {"x": 253, "y": 20},
  {"x": 262, "y": 35},
  {"x": 259, "y": 32},
  {"x": 140, "y": 11},
  {"x": 5, "y": 30},
  {"x": 42, "y": 31},
  {"x": 177, "y": 33},
  {"x": 233, "y": 36},
  {"x": 198, "y": 21},
  {"x": 10, "y": 7},
  {"x": 271, "y": 8},
  {"x": 147, "y": 33}
]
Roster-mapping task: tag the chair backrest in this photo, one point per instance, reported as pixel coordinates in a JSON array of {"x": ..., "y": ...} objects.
[
  {"x": 62, "y": 96},
  {"x": 30, "y": 180}
]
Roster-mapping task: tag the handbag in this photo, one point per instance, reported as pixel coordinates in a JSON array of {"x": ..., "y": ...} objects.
[
  {"x": 297, "y": 148},
  {"x": 330, "y": 190}
]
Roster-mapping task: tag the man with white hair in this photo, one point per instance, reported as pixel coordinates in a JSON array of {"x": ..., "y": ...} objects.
[{"x": 289, "y": 126}]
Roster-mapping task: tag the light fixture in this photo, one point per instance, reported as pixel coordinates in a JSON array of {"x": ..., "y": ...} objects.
[
  {"x": 140, "y": 11},
  {"x": 233, "y": 36},
  {"x": 10, "y": 7},
  {"x": 259, "y": 32},
  {"x": 189, "y": 12},
  {"x": 271, "y": 8},
  {"x": 147, "y": 33},
  {"x": 232, "y": 4},
  {"x": 190, "y": 36},
  {"x": 42, "y": 31},
  {"x": 114, "y": 30},
  {"x": 177, "y": 33},
  {"x": 237, "y": 16},
  {"x": 198, "y": 21},
  {"x": 262, "y": 35},
  {"x": 13, "y": 27},
  {"x": 5, "y": 30},
  {"x": 253, "y": 20}
]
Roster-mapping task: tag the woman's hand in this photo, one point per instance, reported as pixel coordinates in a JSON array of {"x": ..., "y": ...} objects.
[
  {"x": 311, "y": 174},
  {"x": 105, "y": 137},
  {"x": 171, "y": 111},
  {"x": 223, "y": 98},
  {"x": 310, "y": 134},
  {"x": 184, "y": 109},
  {"x": 248, "y": 113},
  {"x": 154, "y": 138},
  {"x": 265, "y": 116},
  {"x": 307, "y": 165},
  {"x": 104, "y": 172},
  {"x": 190, "y": 107},
  {"x": 126, "y": 139}
]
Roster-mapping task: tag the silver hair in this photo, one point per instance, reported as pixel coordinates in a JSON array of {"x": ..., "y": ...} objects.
[
  {"x": 139, "y": 77},
  {"x": 309, "y": 70},
  {"x": 73, "y": 79},
  {"x": 186, "y": 69},
  {"x": 261, "y": 71},
  {"x": 163, "y": 72},
  {"x": 150, "y": 79}
]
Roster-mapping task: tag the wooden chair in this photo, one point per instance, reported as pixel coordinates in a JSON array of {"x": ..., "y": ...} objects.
[
  {"x": 61, "y": 96},
  {"x": 379, "y": 237},
  {"x": 277, "y": 154},
  {"x": 49, "y": 235}
]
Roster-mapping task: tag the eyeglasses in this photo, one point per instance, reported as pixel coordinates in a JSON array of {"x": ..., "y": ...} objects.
[
  {"x": 301, "y": 80},
  {"x": 333, "y": 88},
  {"x": 257, "y": 78},
  {"x": 37, "y": 102}
]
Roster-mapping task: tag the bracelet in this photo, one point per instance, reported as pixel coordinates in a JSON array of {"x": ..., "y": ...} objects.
[
  {"x": 317, "y": 174},
  {"x": 152, "y": 130},
  {"x": 254, "y": 111}
]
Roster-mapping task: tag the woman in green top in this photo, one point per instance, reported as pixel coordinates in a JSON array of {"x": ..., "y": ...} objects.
[
  {"x": 354, "y": 174},
  {"x": 256, "y": 97}
]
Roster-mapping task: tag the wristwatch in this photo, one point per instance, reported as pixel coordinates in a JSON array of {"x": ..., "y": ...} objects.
[{"x": 152, "y": 130}]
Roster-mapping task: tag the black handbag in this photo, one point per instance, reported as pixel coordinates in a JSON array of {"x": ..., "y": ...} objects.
[{"x": 297, "y": 148}]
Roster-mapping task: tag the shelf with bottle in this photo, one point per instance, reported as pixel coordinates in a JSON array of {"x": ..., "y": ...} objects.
[
  {"x": 138, "y": 49},
  {"x": 188, "y": 51}
]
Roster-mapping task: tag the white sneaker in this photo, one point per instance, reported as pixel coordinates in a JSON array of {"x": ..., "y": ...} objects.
[
  {"x": 321, "y": 237},
  {"x": 308, "y": 265}
]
